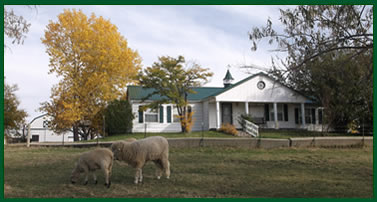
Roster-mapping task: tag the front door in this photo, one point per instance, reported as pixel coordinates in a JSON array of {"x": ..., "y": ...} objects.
[{"x": 226, "y": 109}]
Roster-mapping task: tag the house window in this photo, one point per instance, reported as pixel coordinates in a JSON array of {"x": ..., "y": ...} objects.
[
  {"x": 175, "y": 115},
  {"x": 161, "y": 114},
  {"x": 141, "y": 115},
  {"x": 168, "y": 113},
  {"x": 189, "y": 109},
  {"x": 151, "y": 116},
  {"x": 282, "y": 112},
  {"x": 309, "y": 116}
]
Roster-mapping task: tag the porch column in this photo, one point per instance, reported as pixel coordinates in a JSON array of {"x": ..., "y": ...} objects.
[
  {"x": 165, "y": 114},
  {"x": 276, "y": 115},
  {"x": 303, "y": 114},
  {"x": 217, "y": 114},
  {"x": 247, "y": 108}
]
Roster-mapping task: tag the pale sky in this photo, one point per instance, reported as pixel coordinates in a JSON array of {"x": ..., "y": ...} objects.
[{"x": 213, "y": 36}]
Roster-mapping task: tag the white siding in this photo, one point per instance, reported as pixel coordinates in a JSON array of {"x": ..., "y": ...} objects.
[
  {"x": 47, "y": 135},
  {"x": 205, "y": 115},
  {"x": 273, "y": 92},
  {"x": 165, "y": 126},
  {"x": 212, "y": 115}
]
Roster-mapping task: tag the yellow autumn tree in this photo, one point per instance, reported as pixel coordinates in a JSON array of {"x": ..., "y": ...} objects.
[{"x": 94, "y": 64}]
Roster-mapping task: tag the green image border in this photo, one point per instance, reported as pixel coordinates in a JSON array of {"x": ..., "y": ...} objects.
[{"x": 182, "y": 2}]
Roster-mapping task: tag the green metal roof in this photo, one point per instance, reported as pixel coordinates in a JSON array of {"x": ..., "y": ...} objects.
[{"x": 138, "y": 93}]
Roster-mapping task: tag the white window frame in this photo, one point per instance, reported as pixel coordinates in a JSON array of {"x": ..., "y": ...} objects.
[
  {"x": 151, "y": 112},
  {"x": 280, "y": 108}
]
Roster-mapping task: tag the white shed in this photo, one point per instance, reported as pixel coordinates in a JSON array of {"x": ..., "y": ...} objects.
[{"x": 40, "y": 131}]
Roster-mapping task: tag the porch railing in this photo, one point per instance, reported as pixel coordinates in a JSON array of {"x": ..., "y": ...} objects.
[{"x": 251, "y": 128}]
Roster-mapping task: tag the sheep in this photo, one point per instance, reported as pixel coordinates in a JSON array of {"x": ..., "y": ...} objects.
[
  {"x": 126, "y": 140},
  {"x": 100, "y": 158},
  {"x": 137, "y": 153}
]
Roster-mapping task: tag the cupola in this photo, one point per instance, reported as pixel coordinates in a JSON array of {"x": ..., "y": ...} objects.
[{"x": 228, "y": 79}]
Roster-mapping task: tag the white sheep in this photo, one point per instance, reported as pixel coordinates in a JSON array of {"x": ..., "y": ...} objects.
[
  {"x": 100, "y": 158},
  {"x": 137, "y": 153}
]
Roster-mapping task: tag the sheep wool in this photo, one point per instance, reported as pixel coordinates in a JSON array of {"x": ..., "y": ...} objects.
[
  {"x": 137, "y": 153},
  {"x": 98, "y": 159}
]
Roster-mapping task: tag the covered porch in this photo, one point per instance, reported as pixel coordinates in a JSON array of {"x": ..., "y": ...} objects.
[{"x": 273, "y": 115}]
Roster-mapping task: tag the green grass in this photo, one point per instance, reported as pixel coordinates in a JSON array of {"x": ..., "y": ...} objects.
[
  {"x": 201, "y": 172},
  {"x": 206, "y": 134},
  {"x": 285, "y": 134}
]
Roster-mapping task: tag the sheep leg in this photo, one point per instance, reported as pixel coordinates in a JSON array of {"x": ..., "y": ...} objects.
[
  {"x": 166, "y": 167},
  {"x": 107, "y": 172},
  {"x": 95, "y": 178},
  {"x": 141, "y": 175},
  {"x": 159, "y": 166},
  {"x": 137, "y": 175},
  {"x": 86, "y": 171}
]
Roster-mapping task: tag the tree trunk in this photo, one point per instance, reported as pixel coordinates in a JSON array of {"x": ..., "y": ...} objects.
[{"x": 75, "y": 133}]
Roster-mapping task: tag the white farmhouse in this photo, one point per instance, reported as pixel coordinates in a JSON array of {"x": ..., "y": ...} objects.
[
  {"x": 40, "y": 131},
  {"x": 269, "y": 102}
]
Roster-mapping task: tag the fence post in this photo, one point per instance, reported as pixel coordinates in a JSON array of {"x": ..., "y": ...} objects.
[
  {"x": 201, "y": 140},
  {"x": 28, "y": 136},
  {"x": 145, "y": 130}
]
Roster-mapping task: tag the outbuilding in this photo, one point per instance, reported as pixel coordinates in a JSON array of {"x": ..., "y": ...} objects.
[{"x": 41, "y": 132}]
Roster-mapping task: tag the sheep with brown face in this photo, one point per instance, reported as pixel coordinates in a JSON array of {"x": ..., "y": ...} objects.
[
  {"x": 89, "y": 162},
  {"x": 137, "y": 153}
]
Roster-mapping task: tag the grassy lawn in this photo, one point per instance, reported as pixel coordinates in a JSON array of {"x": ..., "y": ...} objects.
[
  {"x": 285, "y": 134},
  {"x": 201, "y": 172},
  {"x": 206, "y": 134}
]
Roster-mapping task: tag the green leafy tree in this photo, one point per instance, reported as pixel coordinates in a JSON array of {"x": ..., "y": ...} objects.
[
  {"x": 173, "y": 79},
  {"x": 14, "y": 117},
  {"x": 118, "y": 116},
  {"x": 329, "y": 55}
]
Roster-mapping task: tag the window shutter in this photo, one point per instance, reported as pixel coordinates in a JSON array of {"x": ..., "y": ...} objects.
[
  {"x": 296, "y": 115},
  {"x": 168, "y": 112},
  {"x": 267, "y": 112},
  {"x": 161, "y": 114},
  {"x": 313, "y": 116},
  {"x": 141, "y": 115},
  {"x": 285, "y": 112}
]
